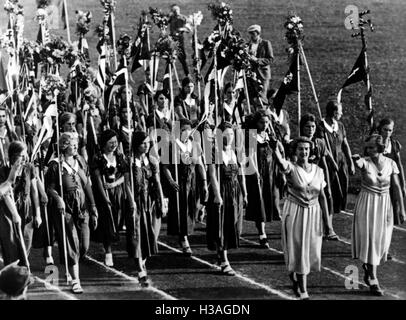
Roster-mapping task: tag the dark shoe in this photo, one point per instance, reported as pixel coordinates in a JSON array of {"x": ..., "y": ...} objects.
[
  {"x": 186, "y": 251},
  {"x": 304, "y": 296},
  {"x": 366, "y": 275},
  {"x": 143, "y": 279},
  {"x": 264, "y": 243},
  {"x": 375, "y": 289},
  {"x": 389, "y": 256},
  {"x": 227, "y": 270},
  {"x": 332, "y": 237},
  {"x": 295, "y": 285}
]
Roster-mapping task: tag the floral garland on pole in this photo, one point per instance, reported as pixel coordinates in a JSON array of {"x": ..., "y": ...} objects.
[
  {"x": 192, "y": 22},
  {"x": 124, "y": 46},
  {"x": 53, "y": 83},
  {"x": 84, "y": 18},
  {"x": 294, "y": 32},
  {"x": 160, "y": 19},
  {"x": 221, "y": 12},
  {"x": 167, "y": 48}
]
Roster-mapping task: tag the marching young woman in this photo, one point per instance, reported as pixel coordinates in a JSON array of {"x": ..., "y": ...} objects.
[
  {"x": 320, "y": 156},
  {"x": 144, "y": 225},
  {"x": 25, "y": 191},
  {"x": 227, "y": 198},
  {"x": 373, "y": 213},
  {"x": 392, "y": 151},
  {"x": 303, "y": 213},
  {"x": 160, "y": 117},
  {"x": 265, "y": 185},
  {"x": 18, "y": 184},
  {"x": 74, "y": 206},
  {"x": 187, "y": 104},
  {"x": 333, "y": 131},
  {"x": 112, "y": 192},
  {"x": 182, "y": 193},
  {"x": 6, "y": 136}
]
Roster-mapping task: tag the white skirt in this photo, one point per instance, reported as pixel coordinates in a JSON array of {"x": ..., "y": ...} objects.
[
  {"x": 302, "y": 237},
  {"x": 372, "y": 227}
]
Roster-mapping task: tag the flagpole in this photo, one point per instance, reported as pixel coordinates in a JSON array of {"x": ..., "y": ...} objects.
[
  {"x": 301, "y": 51},
  {"x": 129, "y": 127},
  {"x": 299, "y": 102},
  {"x": 174, "y": 144},
  {"x": 246, "y": 91},
  {"x": 113, "y": 32},
  {"x": 67, "y": 274},
  {"x": 216, "y": 100},
  {"x": 197, "y": 60},
  {"x": 67, "y": 20},
  {"x": 369, "y": 95}
]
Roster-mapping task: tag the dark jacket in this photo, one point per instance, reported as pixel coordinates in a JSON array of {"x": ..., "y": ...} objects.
[{"x": 265, "y": 57}]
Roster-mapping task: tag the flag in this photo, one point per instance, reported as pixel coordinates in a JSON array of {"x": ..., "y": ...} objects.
[
  {"x": 358, "y": 73},
  {"x": 119, "y": 78},
  {"x": 289, "y": 85},
  {"x": 3, "y": 80},
  {"x": 47, "y": 129},
  {"x": 101, "y": 72},
  {"x": 56, "y": 14},
  {"x": 140, "y": 49},
  {"x": 166, "y": 81},
  {"x": 31, "y": 110}
]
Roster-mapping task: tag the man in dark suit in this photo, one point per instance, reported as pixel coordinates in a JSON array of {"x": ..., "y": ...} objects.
[
  {"x": 177, "y": 28},
  {"x": 261, "y": 58}
]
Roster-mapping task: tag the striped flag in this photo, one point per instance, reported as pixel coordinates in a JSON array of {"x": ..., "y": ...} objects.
[
  {"x": 101, "y": 72},
  {"x": 120, "y": 78}
]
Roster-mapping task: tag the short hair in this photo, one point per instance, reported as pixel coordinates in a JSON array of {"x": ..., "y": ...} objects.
[
  {"x": 160, "y": 92},
  {"x": 331, "y": 107},
  {"x": 185, "y": 122},
  {"x": 14, "y": 150},
  {"x": 302, "y": 139},
  {"x": 66, "y": 116},
  {"x": 308, "y": 117},
  {"x": 106, "y": 135},
  {"x": 66, "y": 139},
  {"x": 226, "y": 125},
  {"x": 385, "y": 122},
  {"x": 260, "y": 114},
  {"x": 375, "y": 140},
  {"x": 138, "y": 138}
]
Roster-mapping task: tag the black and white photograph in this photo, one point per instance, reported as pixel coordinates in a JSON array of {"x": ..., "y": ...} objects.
[{"x": 226, "y": 152}]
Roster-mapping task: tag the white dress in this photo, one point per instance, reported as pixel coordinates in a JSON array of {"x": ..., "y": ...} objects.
[
  {"x": 373, "y": 216},
  {"x": 302, "y": 223}
]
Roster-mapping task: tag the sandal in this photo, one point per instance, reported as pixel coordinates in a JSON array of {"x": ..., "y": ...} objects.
[
  {"x": 187, "y": 251},
  {"x": 76, "y": 287},
  {"x": 332, "y": 237},
  {"x": 227, "y": 270},
  {"x": 264, "y": 243},
  {"x": 143, "y": 279},
  {"x": 295, "y": 286},
  {"x": 304, "y": 296}
]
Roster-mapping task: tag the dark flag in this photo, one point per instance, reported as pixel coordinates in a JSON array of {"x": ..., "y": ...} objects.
[
  {"x": 140, "y": 48},
  {"x": 118, "y": 79},
  {"x": 166, "y": 81},
  {"x": 289, "y": 85},
  {"x": 358, "y": 73}
]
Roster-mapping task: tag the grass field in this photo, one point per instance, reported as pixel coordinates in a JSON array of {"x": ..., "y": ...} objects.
[{"x": 330, "y": 50}]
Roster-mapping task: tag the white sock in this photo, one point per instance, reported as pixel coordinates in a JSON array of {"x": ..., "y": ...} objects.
[{"x": 262, "y": 236}]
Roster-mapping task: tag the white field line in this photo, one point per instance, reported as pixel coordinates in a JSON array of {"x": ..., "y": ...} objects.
[
  {"x": 133, "y": 279},
  {"x": 51, "y": 287},
  {"x": 324, "y": 268},
  {"x": 238, "y": 275}
]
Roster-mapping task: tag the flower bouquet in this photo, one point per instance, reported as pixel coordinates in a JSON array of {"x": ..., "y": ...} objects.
[
  {"x": 167, "y": 47},
  {"x": 108, "y": 5},
  {"x": 237, "y": 52},
  {"x": 161, "y": 20},
  {"x": 221, "y": 12},
  {"x": 123, "y": 45},
  {"x": 294, "y": 29},
  {"x": 52, "y": 83},
  {"x": 84, "y": 19},
  {"x": 43, "y": 3},
  {"x": 54, "y": 51},
  {"x": 13, "y": 7}
]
